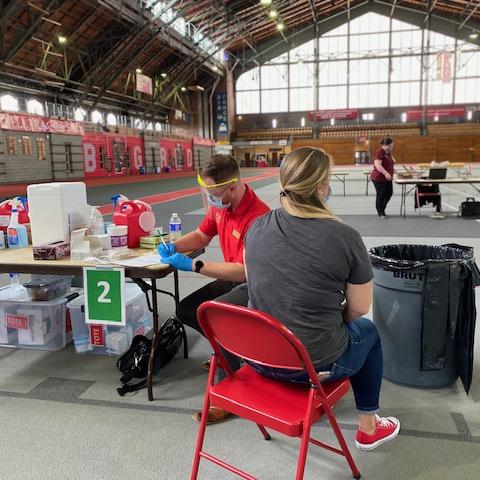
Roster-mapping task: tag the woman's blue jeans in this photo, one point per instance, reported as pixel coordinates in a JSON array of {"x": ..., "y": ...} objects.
[{"x": 362, "y": 361}]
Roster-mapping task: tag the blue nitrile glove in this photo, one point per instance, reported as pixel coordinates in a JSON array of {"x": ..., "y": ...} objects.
[
  {"x": 163, "y": 251},
  {"x": 179, "y": 261}
]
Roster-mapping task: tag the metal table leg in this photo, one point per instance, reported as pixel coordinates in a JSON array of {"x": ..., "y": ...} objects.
[
  {"x": 151, "y": 360},
  {"x": 367, "y": 182}
]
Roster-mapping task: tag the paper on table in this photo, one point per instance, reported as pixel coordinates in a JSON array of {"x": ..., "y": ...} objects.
[{"x": 143, "y": 261}]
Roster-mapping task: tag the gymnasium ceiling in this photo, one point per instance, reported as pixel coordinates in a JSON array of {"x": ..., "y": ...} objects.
[{"x": 107, "y": 40}]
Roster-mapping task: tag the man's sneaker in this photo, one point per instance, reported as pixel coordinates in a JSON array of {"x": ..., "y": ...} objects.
[{"x": 387, "y": 429}]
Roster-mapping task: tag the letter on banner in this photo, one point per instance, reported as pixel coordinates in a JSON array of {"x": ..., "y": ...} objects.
[
  {"x": 89, "y": 158},
  {"x": 189, "y": 158},
  {"x": 163, "y": 156}
]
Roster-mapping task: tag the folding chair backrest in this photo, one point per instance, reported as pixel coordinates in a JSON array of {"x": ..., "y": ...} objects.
[{"x": 252, "y": 335}]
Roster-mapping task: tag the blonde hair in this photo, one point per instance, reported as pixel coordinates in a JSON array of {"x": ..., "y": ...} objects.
[{"x": 302, "y": 173}]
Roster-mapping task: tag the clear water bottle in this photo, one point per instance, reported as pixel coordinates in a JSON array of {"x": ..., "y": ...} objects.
[{"x": 175, "y": 227}]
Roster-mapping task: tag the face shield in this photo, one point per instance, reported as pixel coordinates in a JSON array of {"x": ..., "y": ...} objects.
[{"x": 213, "y": 195}]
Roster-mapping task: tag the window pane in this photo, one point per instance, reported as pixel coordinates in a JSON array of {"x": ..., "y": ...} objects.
[
  {"x": 407, "y": 41},
  {"x": 302, "y": 99},
  {"x": 406, "y": 68},
  {"x": 370, "y": 22},
  {"x": 375, "y": 43},
  {"x": 341, "y": 30},
  {"x": 333, "y": 73},
  {"x": 439, "y": 41},
  {"x": 332, "y": 97},
  {"x": 301, "y": 74},
  {"x": 333, "y": 47},
  {"x": 304, "y": 52},
  {"x": 9, "y": 103},
  {"x": 404, "y": 94},
  {"x": 439, "y": 92},
  {"x": 468, "y": 64},
  {"x": 249, "y": 80},
  {"x": 248, "y": 102},
  {"x": 274, "y": 101},
  {"x": 371, "y": 95},
  {"x": 467, "y": 91},
  {"x": 369, "y": 71},
  {"x": 274, "y": 76}
]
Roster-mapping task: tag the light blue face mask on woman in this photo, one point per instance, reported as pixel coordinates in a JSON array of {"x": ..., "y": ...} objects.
[
  {"x": 216, "y": 202},
  {"x": 329, "y": 193}
]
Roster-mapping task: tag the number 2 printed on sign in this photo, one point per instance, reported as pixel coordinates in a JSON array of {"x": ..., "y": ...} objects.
[{"x": 106, "y": 289}]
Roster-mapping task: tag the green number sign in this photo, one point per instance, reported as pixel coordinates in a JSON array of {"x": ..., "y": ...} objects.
[{"x": 104, "y": 295}]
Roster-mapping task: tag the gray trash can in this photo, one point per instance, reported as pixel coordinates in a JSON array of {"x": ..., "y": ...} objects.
[{"x": 414, "y": 314}]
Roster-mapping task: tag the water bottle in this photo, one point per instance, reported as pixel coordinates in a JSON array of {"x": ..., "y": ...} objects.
[
  {"x": 175, "y": 227},
  {"x": 96, "y": 223}
]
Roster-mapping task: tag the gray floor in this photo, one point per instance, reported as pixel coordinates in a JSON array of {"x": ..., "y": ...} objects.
[{"x": 61, "y": 417}]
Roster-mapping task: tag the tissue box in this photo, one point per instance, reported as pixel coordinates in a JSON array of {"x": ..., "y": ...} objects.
[{"x": 52, "y": 251}]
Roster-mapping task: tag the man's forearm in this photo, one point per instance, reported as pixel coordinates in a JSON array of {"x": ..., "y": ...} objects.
[
  {"x": 233, "y": 272},
  {"x": 191, "y": 241}
]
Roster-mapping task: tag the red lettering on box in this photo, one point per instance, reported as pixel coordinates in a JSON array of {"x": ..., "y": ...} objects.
[
  {"x": 97, "y": 338},
  {"x": 68, "y": 322},
  {"x": 17, "y": 321}
]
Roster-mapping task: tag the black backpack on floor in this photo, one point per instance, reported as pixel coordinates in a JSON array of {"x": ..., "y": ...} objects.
[{"x": 134, "y": 362}]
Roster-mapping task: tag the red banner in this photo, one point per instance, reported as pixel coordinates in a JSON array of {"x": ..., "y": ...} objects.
[
  {"x": 205, "y": 142},
  {"x": 176, "y": 154},
  {"x": 34, "y": 123},
  {"x": 437, "y": 112},
  {"x": 343, "y": 114}
]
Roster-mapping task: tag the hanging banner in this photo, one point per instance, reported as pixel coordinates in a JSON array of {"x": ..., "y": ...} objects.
[
  {"x": 444, "y": 66},
  {"x": 222, "y": 114},
  {"x": 36, "y": 123},
  {"x": 144, "y": 84},
  {"x": 343, "y": 114},
  {"x": 436, "y": 112}
]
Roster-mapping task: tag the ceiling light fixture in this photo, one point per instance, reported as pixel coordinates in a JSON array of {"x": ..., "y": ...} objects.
[
  {"x": 265, "y": 3},
  {"x": 138, "y": 70},
  {"x": 183, "y": 89},
  {"x": 473, "y": 36},
  {"x": 215, "y": 68},
  {"x": 273, "y": 14},
  {"x": 280, "y": 27},
  {"x": 62, "y": 40},
  {"x": 163, "y": 75}
]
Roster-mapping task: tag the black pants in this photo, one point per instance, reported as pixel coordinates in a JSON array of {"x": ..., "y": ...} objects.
[
  {"x": 384, "y": 194},
  {"x": 222, "y": 290}
]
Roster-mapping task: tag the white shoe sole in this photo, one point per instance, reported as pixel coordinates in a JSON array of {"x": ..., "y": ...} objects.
[{"x": 371, "y": 446}]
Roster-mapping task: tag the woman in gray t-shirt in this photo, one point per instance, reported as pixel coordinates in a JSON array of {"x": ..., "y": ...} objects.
[{"x": 312, "y": 273}]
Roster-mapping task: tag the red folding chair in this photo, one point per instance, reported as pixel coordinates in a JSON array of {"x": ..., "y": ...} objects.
[{"x": 286, "y": 407}]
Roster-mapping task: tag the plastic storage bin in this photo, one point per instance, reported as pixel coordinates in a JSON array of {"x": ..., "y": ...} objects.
[
  {"x": 111, "y": 340},
  {"x": 35, "y": 325},
  {"x": 48, "y": 287}
]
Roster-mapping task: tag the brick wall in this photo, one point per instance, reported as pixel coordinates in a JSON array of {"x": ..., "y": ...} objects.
[
  {"x": 67, "y": 156},
  {"x": 24, "y": 157}
]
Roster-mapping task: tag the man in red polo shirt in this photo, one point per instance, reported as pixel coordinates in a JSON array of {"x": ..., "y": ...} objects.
[{"x": 233, "y": 207}]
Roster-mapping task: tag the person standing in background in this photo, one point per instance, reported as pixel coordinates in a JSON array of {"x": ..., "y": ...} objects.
[{"x": 382, "y": 175}]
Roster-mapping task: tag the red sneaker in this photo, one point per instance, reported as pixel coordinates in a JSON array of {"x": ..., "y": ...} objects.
[{"x": 387, "y": 429}]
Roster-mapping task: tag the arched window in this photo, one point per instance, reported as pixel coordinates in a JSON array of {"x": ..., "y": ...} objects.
[
  {"x": 96, "y": 117},
  {"x": 158, "y": 127},
  {"x": 35, "y": 107},
  {"x": 79, "y": 114},
  {"x": 9, "y": 103},
  {"x": 111, "y": 119},
  {"x": 137, "y": 123},
  {"x": 149, "y": 126}
]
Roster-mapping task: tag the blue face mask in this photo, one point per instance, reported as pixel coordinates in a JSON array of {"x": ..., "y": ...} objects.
[
  {"x": 327, "y": 196},
  {"x": 216, "y": 202}
]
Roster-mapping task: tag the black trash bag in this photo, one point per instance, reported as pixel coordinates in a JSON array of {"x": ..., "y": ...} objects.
[
  {"x": 134, "y": 362},
  {"x": 451, "y": 275}
]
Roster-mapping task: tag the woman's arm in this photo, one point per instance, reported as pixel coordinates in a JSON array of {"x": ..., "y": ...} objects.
[{"x": 359, "y": 300}]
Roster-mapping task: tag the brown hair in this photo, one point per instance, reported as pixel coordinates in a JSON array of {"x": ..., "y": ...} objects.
[
  {"x": 301, "y": 175},
  {"x": 220, "y": 168}
]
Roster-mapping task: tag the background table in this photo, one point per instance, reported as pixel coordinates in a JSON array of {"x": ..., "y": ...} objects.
[
  {"x": 21, "y": 261},
  {"x": 428, "y": 181},
  {"x": 342, "y": 177}
]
